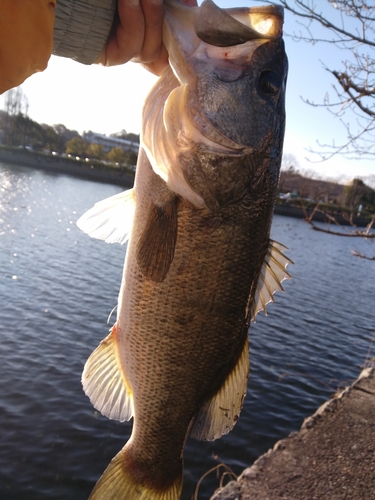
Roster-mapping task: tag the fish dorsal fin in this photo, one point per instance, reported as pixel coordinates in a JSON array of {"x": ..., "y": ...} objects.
[
  {"x": 155, "y": 249},
  {"x": 272, "y": 274},
  {"x": 219, "y": 415},
  {"x": 104, "y": 382},
  {"x": 110, "y": 219}
]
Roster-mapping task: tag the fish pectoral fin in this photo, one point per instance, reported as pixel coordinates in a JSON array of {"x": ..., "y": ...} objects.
[
  {"x": 118, "y": 483},
  {"x": 156, "y": 245},
  {"x": 104, "y": 381},
  {"x": 219, "y": 415},
  {"x": 273, "y": 273},
  {"x": 110, "y": 219}
]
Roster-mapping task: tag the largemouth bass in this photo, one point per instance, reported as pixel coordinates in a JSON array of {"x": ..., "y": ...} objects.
[{"x": 200, "y": 263}]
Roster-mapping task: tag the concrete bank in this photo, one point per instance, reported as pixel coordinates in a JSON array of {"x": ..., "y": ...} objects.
[
  {"x": 332, "y": 457},
  {"x": 94, "y": 171}
]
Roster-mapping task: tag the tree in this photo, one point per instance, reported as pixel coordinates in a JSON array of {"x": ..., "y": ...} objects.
[
  {"x": 64, "y": 132},
  {"x": 330, "y": 191},
  {"x": 117, "y": 155},
  {"x": 95, "y": 151},
  {"x": 357, "y": 193},
  {"x": 25, "y": 132},
  {"x": 289, "y": 166},
  {"x": 131, "y": 158},
  {"x": 76, "y": 146},
  {"x": 350, "y": 26},
  {"x": 16, "y": 102},
  {"x": 16, "y": 105},
  {"x": 304, "y": 184},
  {"x": 52, "y": 140},
  {"x": 289, "y": 162}
]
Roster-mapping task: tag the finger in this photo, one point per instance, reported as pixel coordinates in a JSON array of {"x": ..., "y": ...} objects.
[
  {"x": 158, "y": 65},
  {"x": 127, "y": 37},
  {"x": 153, "y": 11},
  {"x": 153, "y": 58}
]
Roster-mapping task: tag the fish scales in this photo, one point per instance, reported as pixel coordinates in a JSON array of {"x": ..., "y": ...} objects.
[
  {"x": 199, "y": 307},
  {"x": 200, "y": 263}
]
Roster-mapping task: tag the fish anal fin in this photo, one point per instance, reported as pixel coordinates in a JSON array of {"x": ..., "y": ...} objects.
[
  {"x": 117, "y": 483},
  {"x": 104, "y": 382},
  {"x": 272, "y": 274},
  {"x": 219, "y": 415},
  {"x": 156, "y": 245}
]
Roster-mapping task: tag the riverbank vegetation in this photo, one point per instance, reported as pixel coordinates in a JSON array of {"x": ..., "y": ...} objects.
[
  {"x": 17, "y": 130},
  {"x": 307, "y": 189},
  {"x": 119, "y": 151}
]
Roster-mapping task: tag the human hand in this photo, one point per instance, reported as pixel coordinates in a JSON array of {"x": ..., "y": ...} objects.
[{"x": 137, "y": 35}]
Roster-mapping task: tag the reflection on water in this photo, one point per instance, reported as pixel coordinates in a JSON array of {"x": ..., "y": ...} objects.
[{"x": 57, "y": 287}]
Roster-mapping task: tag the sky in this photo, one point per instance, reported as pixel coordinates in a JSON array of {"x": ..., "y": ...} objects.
[{"x": 107, "y": 100}]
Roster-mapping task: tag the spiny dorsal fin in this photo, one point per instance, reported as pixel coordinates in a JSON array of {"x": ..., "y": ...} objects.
[
  {"x": 273, "y": 273},
  {"x": 110, "y": 219},
  {"x": 219, "y": 415},
  {"x": 155, "y": 249},
  {"x": 104, "y": 382}
]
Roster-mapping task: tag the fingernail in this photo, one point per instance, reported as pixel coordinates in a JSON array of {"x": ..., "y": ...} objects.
[
  {"x": 135, "y": 3},
  {"x": 157, "y": 2}
]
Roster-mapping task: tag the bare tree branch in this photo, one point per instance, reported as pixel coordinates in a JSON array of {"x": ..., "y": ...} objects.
[
  {"x": 350, "y": 26},
  {"x": 362, "y": 255}
]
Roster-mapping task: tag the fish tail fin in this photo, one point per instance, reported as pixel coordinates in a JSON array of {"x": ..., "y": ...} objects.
[{"x": 118, "y": 483}]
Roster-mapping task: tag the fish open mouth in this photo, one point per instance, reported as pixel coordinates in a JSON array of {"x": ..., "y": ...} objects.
[
  {"x": 187, "y": 28},
  {"x": 228, "y": 27},
  {"x": 224, "y": 41},
  {"x": 217, "y": 68}
]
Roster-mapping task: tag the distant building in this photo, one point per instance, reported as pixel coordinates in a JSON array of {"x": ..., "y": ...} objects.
[{"x": 110, "y": 142}]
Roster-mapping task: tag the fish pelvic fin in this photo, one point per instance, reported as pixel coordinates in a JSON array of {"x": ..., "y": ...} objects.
[
  {"x": 117, "y": 483},
  {"x": 110, "y": 219},
  {"x": 104, "y": 381},
  {"x": 220, "y": 414},
  {"x": 272, "y": 274}
]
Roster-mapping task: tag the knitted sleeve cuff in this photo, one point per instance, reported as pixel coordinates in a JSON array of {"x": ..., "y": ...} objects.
[{"x": 82, "y": 28}]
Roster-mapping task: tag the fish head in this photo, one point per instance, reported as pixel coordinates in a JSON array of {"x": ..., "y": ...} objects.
[{"x": 219, "y": 114}]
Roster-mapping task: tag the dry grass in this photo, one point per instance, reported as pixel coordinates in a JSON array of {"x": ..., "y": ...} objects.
[{"x": 222, "y": 472}]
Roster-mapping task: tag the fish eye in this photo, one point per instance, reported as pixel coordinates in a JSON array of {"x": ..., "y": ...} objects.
[{"x": 269, "y": 82}]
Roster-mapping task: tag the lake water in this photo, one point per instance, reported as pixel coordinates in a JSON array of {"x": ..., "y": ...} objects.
[{"x": 57, "y": 288}]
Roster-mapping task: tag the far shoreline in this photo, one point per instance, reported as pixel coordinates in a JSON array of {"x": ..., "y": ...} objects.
[{"x": 95, "y": 170}]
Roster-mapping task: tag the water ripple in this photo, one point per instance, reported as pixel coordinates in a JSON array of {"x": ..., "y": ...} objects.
[{"x": 57, "y": 287}]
